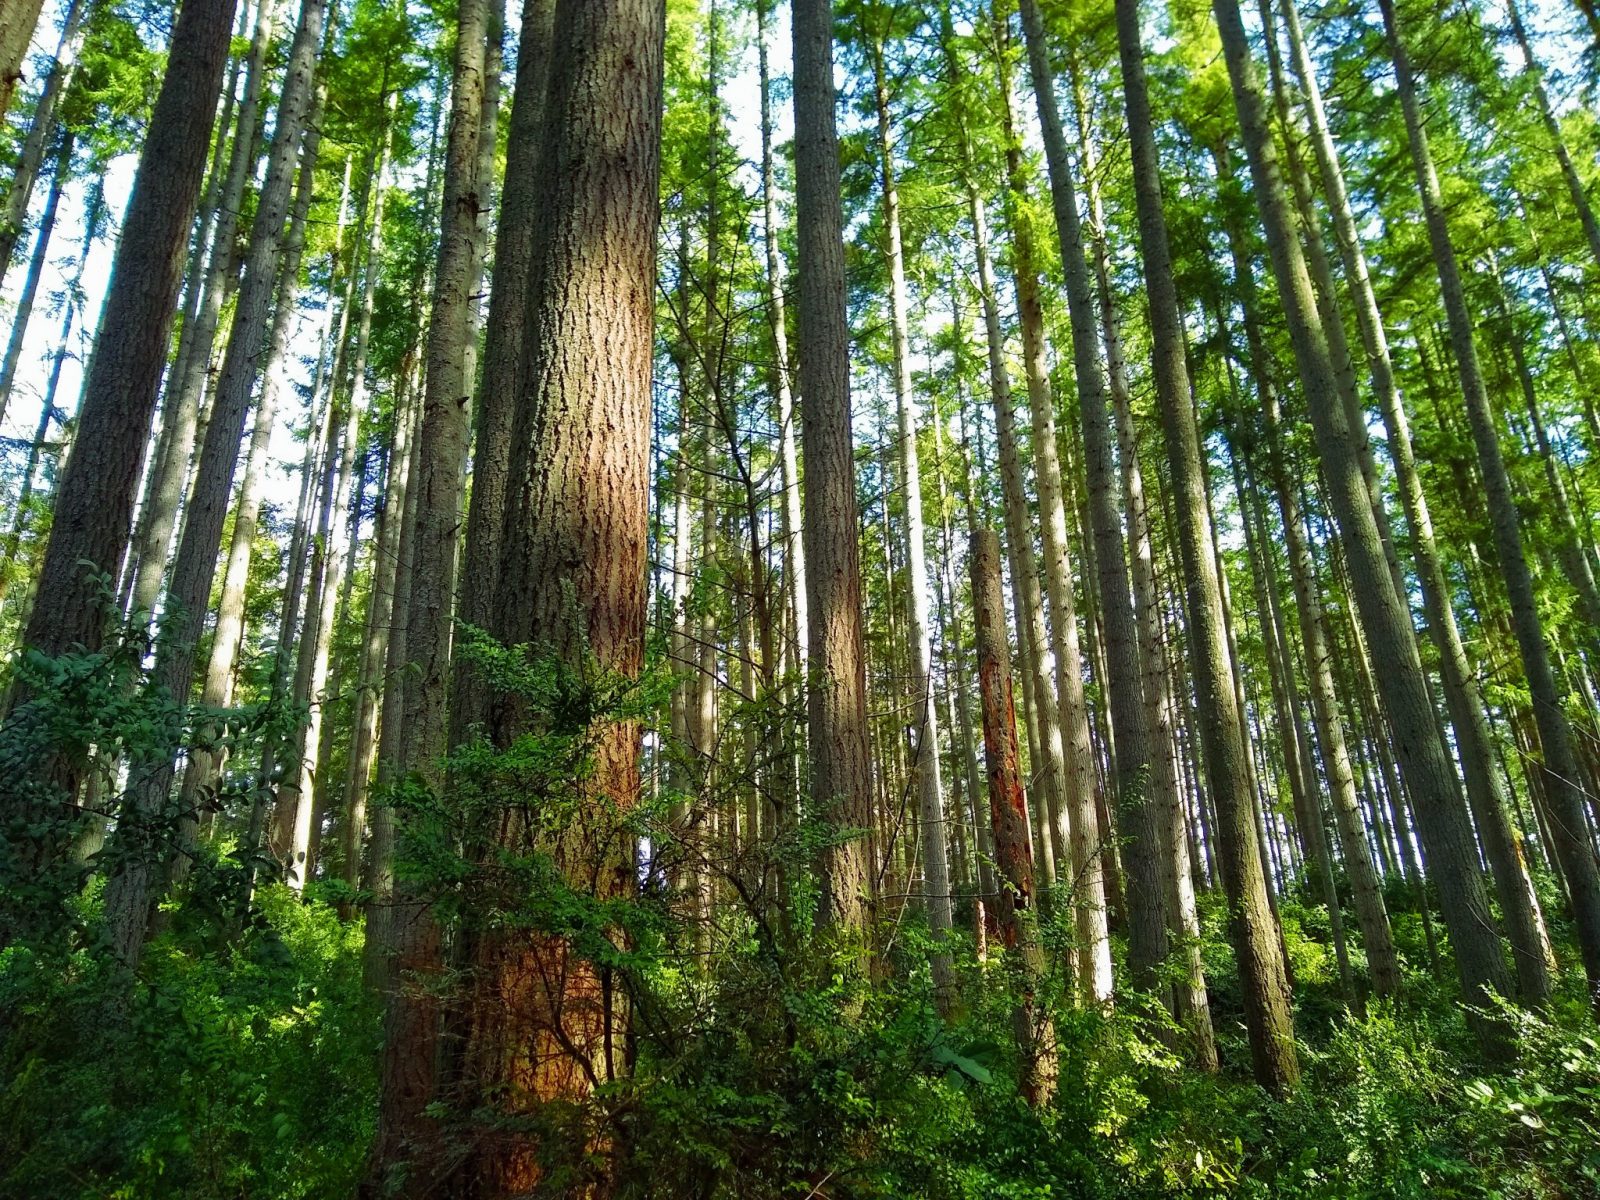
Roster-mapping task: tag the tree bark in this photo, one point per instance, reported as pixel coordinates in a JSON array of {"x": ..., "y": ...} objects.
[
  {"x": 1019, "y": 926},
  {"x": 841, "y": 770}
]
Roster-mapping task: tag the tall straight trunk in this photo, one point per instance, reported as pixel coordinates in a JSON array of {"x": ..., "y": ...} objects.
[
  {"x": 93, "y": 221},
  {"x": 1485, "y": 788},
  {"x": 186, "y": 383},
  {"x": 1139, "y": 814},
  {"x": 1077, "y": 812},
  {"x": 94, "y": 505},
  {"x": 959, "y": 692},
  {"x": 18, "y": 18},
  {"x": 505, "y": 347},
  {"x": 412, "y": 1053},
  {"x": 1573, "y": 846},
  {"x": 1019, "y": 923},
  {"x": 41, "y": 125},
  {"x": 1558, "y": 142},
  {"x": 316, "y": 639},
  {"x": 1262, "y": 971},
  {"x": 925, "y": 766},
  {"x": 794, "y": 556},
  {"x": 1296, "y": 748},
  {"x": 372, "y": 682},
  {"x": 1049, "y": 765},
  {"x": 1366, "y": 891},
  {"x": 381, "y": 909},
  {"x": 841, "y": 770},
  {"x": 1386, "y": 621},
  {"x": 36, "y": 263},
  {"x": 195, "y": 566},
  {"x": 228, "y": 634},
  {"x": 1570, "y": 550},
  {"x": 547, "y": 1023},
  {"x": 1165, "y": 786}
]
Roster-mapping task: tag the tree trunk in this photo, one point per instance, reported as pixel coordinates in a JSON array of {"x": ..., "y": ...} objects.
[
  {"x": 36, "y": 264},
  {"x": 412, "y": 1054},
  {"x": 40, "y": 126},
  {"x": 547, "y": 1023},
  {"x": 17, "y": 21},
  {"x": 1485, "y": 789},
  {"x": 794, "y": 556},
  {"x": 1262, "y": 970},
  {"x": 186, "y": 383},
  {"x": 228, "y": 634},
  {"x": 925, "y": 766},
  {"x": 1560, "y": 769},
  {"x": 128, "y": 892},
  {"x": 1019, "y": 924},
  {"x": 94, "y": 505},
  {"x": 841, "y": 771},
  {"x": 505, "y": 348}
]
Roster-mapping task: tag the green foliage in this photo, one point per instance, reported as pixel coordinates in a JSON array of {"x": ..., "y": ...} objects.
[{"x": 239, "y": 1067}]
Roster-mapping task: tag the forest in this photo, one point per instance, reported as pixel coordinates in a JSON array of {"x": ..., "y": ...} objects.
[{"x": 742, "y": 599}]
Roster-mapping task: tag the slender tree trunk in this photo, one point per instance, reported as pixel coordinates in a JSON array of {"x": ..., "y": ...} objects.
[
  {"x": 1430, "y": 776},
  {"x": 412, "y": 1061},
  {"x": 40, "y": 127},
  {"x": 1485, "y": 789},
  {"x": 128, "y": 893},
  {"x": 1262, "y": 970},
  {"x": 794, "y": 556},
  {"x": 36, "y": 264},
  {"x": 228, "y": 635},
  {"x": 373, "y": 682},
  {"x": 505, "y": 347},
  {"x": 1138, "y": 812},
  {"x": 186, "y": 384},
  {"x": 1034, "y": 1026},
  {"x": 1560, "y": 769},
  {"x": 925, "y": 766}
]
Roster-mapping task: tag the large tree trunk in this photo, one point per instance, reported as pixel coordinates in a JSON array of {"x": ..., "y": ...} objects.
[
  {"x": 547, "y": 1024},
  {"x": 1573, "y": 847},
  {"x": 1256, "y": 943},
  {"x": 841, "y": 770},
  {"x": 1017, "y": 903}
]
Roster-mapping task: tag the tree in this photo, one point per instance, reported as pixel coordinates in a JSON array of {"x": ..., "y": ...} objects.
[
  {"x": 1253, "y": 927},
  {"x": 94, "y": 503},
  {"x": 841, "y": 773}
]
